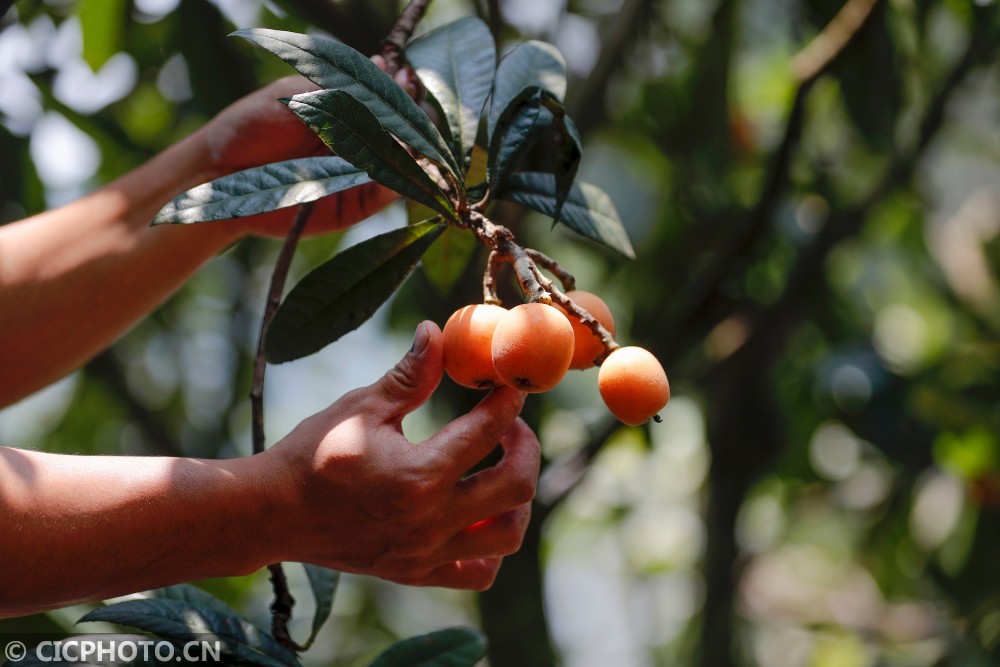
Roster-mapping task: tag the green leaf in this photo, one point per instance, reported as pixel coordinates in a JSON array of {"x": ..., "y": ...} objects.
[
  {"x": 265, "y": 188},
  {"x": 588, "y": 209},
  {"x": 336, "y": 66},
  {"x": 456, "y": 63},
  {"x": 447, "y": 259},
  {"x": 323, "y": 582},
  {"x": 344, "y": 292},
  {"x": 451, "y": 647},
  {"x": 193, "y": 596},
  {"x": 567, "y": 154},
  {"x": 185, "y": 621},
  {"x": 529, "y": 64},
  {"x": 101, "y": 22},
  {"x": 350, "y": 129},
  {"x": 519, "y": 129}
]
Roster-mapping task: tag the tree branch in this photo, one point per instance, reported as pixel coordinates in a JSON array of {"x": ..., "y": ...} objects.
[
  {"x": 394, "y": 45},
  {"x": 815, "y": 58},
  {"x": 771, "y": 324},
  {"x": 809, "y": 64},
  {"x": 274, "y": 292}
]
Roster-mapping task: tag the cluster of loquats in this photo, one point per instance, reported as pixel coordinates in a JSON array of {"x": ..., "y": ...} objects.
[{"x": 532, "y": 346}]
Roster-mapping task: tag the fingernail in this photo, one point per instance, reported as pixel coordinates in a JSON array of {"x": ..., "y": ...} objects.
[{"x": 420, "y": 340}]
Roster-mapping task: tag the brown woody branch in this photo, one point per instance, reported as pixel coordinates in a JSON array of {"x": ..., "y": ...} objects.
[
  {"x": 394, "y": 45},
  {"x": 808, "y": 65}
]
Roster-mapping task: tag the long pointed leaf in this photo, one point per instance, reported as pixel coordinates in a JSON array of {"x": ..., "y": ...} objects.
[
  {"x": 520, "y": 127},
  {"x": 518, "y": 130},
  {"x": 567, "y": 154},
  {"x": 344, "y": 292},
  {"x": 588, "y": 209},
  {"x": 456, "y": 63},
  {"x": 265, "y": 188},
  {"x": 323, "y": 582},
  {"x": 350, "y": 129},
  {"x": 336, "y": 66},
  {"x": 528, "y": 64},
  {"x": 451, "y": 647},
  {"x": 183, "y": 621}
]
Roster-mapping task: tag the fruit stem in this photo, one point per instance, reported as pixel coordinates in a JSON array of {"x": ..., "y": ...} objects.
[
  {"x": 490, "y": 278},
  {"x": 585, "y": 317},
  {"x": 553, "y": 267}
]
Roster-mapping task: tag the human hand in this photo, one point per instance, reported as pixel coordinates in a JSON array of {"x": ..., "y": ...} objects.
[
  {"x": 367, "y": 500},
  {"x": 258, "y": 129}
]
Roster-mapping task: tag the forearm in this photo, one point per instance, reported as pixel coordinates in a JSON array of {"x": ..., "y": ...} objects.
[
  {"x": 74, "y": 278},
  {"x": 82, "y": 528}
]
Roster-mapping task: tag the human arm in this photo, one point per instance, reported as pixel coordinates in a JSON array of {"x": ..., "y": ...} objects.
[
  {"x": 345, "y": 489},
  {"x": 74, "y": 278}
]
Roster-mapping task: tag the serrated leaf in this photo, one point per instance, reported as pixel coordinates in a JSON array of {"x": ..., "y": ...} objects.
[
  {"x": 456, "y": 63},
  {"x": 451, "y": 647},
  {"x": 341, "y": 294},
  {"x": 335, "y": 66},
  {"x": 183, "y": 621},
  {"x": 323, "y": 582},
  {"x": 352, "y": 131},
  {"x": 265, "y": 188},
  {"x": 529, "y": 64},
  {"x": 588, "y": 209}
]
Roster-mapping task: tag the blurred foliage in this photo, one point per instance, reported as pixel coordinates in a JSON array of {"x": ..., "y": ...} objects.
[{"x": 817, "y": 268}]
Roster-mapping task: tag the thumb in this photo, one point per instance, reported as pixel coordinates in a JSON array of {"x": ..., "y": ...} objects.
[{"x": 412, "y": 381}]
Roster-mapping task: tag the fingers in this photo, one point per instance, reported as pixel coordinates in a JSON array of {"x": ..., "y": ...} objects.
[
  {"x": 468, "y": 439},
  {"x": 490, "y": 538},
  {"x": 509, "y": 484},
  {"x": 412, "y": 381},
  {"x": 477, "y": 575}
]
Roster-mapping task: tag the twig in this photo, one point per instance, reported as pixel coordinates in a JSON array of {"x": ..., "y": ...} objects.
[
  {"x": 809, "y": 64},
  {"x": 771, "y": 324},
  {"x": 394, "y": 45},
  {"x": 490, "y": 278},
  {"x": 281, "y": 609},
  {"x": 816, "y": 57},
  {"x": 553, "y": 267},
  {"x": 278, "y": 277},
  {"x": 533, "y": 283}
]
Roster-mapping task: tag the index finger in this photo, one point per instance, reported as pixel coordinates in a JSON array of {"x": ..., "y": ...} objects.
[{"x": 467, "y": 440}]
